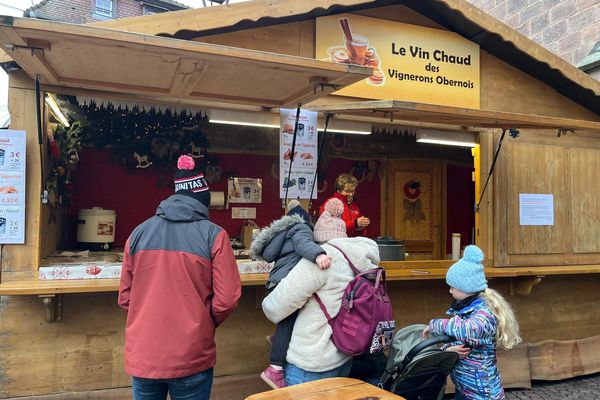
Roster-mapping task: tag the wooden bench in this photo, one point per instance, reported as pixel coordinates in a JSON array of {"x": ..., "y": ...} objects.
[{"x": 328, "y": 389}]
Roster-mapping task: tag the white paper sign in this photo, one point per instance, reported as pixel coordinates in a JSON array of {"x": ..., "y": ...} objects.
[
  {"x": 304, "y": 163},
  {"x": 245, "y": 190},
  {"x": 12, "y": 186},
  {"x": 243, "y": 212},
  {"x": 536, "y": 209}
]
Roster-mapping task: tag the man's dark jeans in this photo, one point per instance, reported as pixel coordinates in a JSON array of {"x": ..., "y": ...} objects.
[{"x": 193, "y": 387}]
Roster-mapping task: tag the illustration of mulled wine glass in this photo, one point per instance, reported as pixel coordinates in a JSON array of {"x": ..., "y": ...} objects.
[
  {"x": 300, "y": 130},
  {"x": 357, "y": 48},
  {"x": 246, "y": 192},
  {"x": 302, "y": 183}
]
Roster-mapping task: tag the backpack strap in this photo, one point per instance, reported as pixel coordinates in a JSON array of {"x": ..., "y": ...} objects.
[
  {"x": 356, "y": 271},
  {"x": 380, "y": 271},
  {"x": 323, "y": 308},
  {"x": 316, "y": 296}
]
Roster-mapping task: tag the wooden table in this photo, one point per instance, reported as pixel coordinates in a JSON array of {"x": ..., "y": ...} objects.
[{"x": 328, "y": 389}]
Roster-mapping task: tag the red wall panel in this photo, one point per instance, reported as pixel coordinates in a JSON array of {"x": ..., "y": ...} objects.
[
  {"x": 134, "y": 195},
  {"x": 461, "y": 204}
]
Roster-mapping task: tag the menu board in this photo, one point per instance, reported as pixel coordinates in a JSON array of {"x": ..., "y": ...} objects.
[
  {"x": 244, "y": 190},
  {"x": 12, "y": 187},
  {"x": 304, "y": 160}
]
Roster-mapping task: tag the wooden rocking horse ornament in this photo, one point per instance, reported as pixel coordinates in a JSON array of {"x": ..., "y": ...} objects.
[{"x": 142, "y": 160}]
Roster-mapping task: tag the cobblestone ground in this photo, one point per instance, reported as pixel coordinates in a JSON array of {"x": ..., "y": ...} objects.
[{"x": 582, "y": 388}]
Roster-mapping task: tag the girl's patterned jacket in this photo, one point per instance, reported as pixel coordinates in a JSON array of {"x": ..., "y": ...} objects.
[{"x": 476, "y": 377}]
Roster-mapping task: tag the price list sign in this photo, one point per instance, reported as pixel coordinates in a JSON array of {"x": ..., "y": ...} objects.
[
  {"x": 12, "y": 187},
  {"x": 299, "y": 183}
]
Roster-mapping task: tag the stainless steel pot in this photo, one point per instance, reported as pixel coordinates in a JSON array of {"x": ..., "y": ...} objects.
[{"x": 390, "y": 249}]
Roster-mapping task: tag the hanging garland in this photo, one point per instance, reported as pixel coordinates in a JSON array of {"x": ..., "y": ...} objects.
[{"x": 139, "y": 138}]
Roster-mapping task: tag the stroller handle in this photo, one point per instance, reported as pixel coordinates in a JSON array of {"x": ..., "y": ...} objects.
[{"x": 423, "y": 345}]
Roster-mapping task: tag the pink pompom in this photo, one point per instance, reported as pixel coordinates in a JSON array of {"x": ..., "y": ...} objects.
[
  {"x": 335, "y": 207},
  {"x": 185, "y": 162}
]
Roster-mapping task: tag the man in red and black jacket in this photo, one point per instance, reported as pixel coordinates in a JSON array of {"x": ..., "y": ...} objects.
[
  {"x": 179, "y": 281},
  {"x": 356, "y": 223}
]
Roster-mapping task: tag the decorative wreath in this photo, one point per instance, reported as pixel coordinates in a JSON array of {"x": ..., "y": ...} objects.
[{"x": 412, "y": 189}]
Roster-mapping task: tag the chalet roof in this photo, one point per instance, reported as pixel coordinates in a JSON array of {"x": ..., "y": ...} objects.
[{"x": 459, "y": 16}]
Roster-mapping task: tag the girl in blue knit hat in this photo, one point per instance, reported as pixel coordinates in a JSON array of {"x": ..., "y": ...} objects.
[{"x": 481, "y": 319}]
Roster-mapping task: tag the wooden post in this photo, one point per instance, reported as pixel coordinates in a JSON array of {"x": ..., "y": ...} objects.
[{"x": 21, "y": 261}]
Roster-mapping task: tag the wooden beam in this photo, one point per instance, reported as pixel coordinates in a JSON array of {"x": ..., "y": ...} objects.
[
  {"x": 561, "y": 359},
  {"x": 4, "y": 57},
  {"x": 38, "y": 63},
  {"x": 11, "y": 37},
  {"x": 188, "y": 75},
  {"x": 175, "y": 101},
  {"x": 17, "y": 49},
  {"x": 110, "y": 86},
  {"x": 455, "y": 115}
]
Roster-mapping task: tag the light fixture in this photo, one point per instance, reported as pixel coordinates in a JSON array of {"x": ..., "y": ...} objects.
[
  {"x": 245, "y": 118},
  {"x": 463, "y": 139},
  {"x": 344, "y": 126},
  {"x": 56, "y": 111},
  {"x": 271, "y": 120}
]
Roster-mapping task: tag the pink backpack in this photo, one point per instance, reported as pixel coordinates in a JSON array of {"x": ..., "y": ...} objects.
[{"x": 365, "y": 322}]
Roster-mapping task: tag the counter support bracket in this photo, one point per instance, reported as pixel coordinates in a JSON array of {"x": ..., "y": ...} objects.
[
  {"x": 53, "y": 304},
  {"x": 523, "y": 285}
]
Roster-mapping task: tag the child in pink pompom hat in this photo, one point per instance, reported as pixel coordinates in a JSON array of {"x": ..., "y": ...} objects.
[{"x": 330, "y": 224}]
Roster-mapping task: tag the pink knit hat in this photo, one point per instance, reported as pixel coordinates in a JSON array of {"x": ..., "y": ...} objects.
[{"x": 330, "y": 224}]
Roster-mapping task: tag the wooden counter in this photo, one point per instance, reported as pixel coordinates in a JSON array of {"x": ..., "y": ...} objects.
[{"x": 395, "y": 271}]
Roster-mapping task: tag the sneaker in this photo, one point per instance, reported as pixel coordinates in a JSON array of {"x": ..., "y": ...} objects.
[
  {"x": 273, "y": 377},
  {"x": 269, "y": 339}
]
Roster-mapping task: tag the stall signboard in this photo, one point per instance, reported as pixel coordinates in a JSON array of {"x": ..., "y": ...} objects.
[
  {"x": 298, "y": 180},
  {"x": 410, "y": 63},
  {"x": 244, "y": 190},
  {"x": 12, "y": 187}
]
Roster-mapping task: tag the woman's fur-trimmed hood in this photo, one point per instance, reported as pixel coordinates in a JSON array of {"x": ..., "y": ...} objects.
[{"x": 266, "y": 235}]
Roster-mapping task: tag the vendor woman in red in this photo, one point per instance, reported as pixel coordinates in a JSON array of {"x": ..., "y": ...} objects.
[{"x": 356, "y": 223}]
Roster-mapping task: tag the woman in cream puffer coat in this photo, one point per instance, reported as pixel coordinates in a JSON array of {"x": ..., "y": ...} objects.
[{"x": 312, "y": 354}]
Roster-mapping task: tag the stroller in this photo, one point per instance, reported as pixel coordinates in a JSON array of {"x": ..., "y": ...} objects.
[{"x": 417, "y": 369}]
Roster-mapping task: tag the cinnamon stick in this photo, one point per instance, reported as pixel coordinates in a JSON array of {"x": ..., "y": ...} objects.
[{"x": 348, "y": 35}]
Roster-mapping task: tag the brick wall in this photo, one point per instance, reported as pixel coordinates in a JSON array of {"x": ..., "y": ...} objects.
[
  {"x": 568, "y": 28},
  {"x": 81, "y": 11},
  {"x": 128, "y": 8}
]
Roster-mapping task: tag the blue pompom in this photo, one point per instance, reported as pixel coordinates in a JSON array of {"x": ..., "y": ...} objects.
[{"x": 473, "y": 254}]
